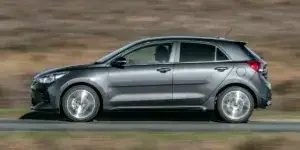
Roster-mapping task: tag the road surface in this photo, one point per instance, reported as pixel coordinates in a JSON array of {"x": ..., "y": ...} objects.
[
  {"x": 39, "y": 125},
  {"x": 140, "y": 121}
]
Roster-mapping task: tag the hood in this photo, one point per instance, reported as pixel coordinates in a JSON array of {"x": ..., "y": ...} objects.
[{"x": 61, "y": 69}]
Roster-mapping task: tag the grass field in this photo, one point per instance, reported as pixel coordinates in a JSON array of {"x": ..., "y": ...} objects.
[{"x": 148, "y": 141}]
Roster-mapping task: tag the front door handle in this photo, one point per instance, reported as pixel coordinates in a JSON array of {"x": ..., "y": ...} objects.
[
  {"x": 221, "y": 69},
  {"x": 163, "y": 70}
]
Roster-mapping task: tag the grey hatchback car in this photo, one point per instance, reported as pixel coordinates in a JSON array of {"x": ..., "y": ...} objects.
[{"x": 172, "y": 72}]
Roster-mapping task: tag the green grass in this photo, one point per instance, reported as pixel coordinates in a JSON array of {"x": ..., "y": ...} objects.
[
  {"x": 176, "y": 136},
  {"x": 145, "y": 140},
  {"x": 34, "y": 135},
  {"x": 124, "y": 135},
  {"x": 275, "y": 114},
  {"x": 13, "y": 112}
]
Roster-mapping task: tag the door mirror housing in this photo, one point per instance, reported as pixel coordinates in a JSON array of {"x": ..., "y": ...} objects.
[{"x": 119, "y": 62}]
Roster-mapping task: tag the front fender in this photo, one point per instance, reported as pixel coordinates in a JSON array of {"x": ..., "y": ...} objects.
[{"x": 78, "y": 81}]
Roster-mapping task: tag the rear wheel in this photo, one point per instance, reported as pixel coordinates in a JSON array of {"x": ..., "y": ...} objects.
[
  {"x": 235, "y": 105},
  {"x": 81, "y": 103}
]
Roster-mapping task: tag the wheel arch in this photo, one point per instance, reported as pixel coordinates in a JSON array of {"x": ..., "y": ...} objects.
[
  {"x": 250, "y": 90},
  {"x": 99, "y": 94}
]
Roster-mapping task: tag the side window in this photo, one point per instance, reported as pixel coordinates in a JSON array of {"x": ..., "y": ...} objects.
[
  {"x": 221, "y": 55},
  {"x": 195, "y": 52},
  {"x": 150, "y": 54}
]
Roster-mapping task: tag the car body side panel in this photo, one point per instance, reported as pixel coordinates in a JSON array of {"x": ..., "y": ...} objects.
[
  {"x": 140, "y": 86},
  {"x": 247, "y": 79},
  {"x": 264, "y": 88},
  {"x": 210, "y": 103},
  {"x": 194, "y": 82}
]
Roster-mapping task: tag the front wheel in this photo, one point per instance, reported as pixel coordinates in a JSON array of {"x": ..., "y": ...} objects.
[
  {"x": 235, "y": 105},
  {"x": 81, "y": 103}
]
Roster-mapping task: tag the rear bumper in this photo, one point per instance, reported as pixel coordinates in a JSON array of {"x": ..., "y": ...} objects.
[
  {"x": 266, "y": 102},
  {"x": 265, "y": 97},
  {"x": 262, "y": 89}
]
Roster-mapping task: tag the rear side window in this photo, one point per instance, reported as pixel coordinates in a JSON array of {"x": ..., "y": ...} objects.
[{"x": 195, "y": 52}]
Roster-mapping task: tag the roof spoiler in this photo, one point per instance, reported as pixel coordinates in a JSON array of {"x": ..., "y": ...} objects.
[
  {"x": 241, "y": 42},
  {"x": 234, "y": 41}
]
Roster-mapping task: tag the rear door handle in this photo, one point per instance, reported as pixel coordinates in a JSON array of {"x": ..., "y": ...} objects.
[
  {"x": 163, "y": 70},
  {"x": 221, "y": 69}
]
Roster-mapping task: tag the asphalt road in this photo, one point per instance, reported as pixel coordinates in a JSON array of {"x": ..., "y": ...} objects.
[
  {"x": 141, "y": 122},
  {"x": 39, "y": 125}
]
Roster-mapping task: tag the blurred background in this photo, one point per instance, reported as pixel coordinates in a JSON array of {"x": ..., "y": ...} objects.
[{"x": 41, "y": 34}]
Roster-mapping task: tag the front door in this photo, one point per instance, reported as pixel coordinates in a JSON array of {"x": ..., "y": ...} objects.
[{"x": 146, "y": 80}]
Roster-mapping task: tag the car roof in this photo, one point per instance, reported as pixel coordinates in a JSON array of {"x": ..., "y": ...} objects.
[
  {"x": 212, "y": 39},
  {"x": 156, "y": 38}
]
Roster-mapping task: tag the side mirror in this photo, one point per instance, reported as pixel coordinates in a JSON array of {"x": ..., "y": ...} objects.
[{"x": 119, "y": 62}]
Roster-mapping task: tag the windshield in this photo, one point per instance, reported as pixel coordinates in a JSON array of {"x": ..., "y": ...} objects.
[{"x": 108, "y": 56}]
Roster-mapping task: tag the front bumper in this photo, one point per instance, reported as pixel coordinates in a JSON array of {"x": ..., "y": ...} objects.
[
  {"x": 44, "y": 107},
  {"x": 43, "y": 97}
]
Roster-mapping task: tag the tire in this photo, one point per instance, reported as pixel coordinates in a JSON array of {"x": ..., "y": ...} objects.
[
  {"x": 226, "y": 111},
  {"x": 81, "y": 103}
]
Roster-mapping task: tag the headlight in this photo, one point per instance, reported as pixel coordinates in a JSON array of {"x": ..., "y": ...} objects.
[{"x": 51, "y": 77}]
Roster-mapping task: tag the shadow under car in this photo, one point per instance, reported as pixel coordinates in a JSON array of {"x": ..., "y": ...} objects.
[{"x": 130, "y": 116}]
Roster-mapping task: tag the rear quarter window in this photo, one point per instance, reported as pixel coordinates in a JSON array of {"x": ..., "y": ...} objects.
[
  {"x": 221, "y": 56},
  {"x": 238, "y": 52}
]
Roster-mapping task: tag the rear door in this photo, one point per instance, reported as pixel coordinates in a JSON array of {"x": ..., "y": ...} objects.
[{"x": 199, "y": 69}]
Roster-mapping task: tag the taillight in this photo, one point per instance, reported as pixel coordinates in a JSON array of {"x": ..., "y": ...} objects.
[{"x": 255, "y": 65}]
